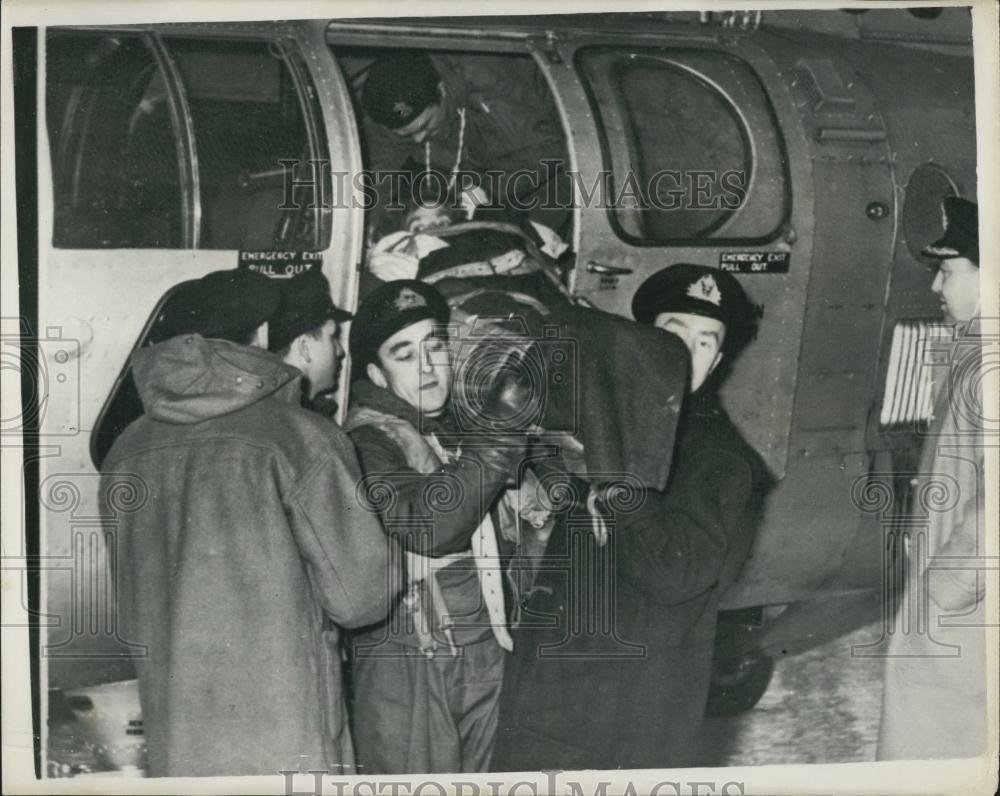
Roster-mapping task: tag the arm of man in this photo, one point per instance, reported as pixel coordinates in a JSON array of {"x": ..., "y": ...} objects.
[
  {"x": 349, "y": 561},
  {"x": 432, "y": 513},
  {"x": 675, "y": 546}
]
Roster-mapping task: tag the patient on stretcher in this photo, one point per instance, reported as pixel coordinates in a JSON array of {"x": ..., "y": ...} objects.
[{"x": 486, "y": 243}]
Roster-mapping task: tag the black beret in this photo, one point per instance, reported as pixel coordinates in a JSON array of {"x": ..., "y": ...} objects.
[
  {"x": 305, "y": 305},
  {"x": 399, "y": 88},
  {"x": 387, "y": 309},
  {"x": 222, "y": 304},
  {"x": 961, "y": 231},
  {"x": 698, "y": 290}
]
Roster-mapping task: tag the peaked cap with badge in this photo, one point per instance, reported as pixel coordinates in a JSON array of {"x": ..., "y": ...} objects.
[
  {"x": 399, "y": 87},
  {"x": 961, "y": 231},
  {"x": 389, "y": 308},
  {"x": 698, "y": 290}
]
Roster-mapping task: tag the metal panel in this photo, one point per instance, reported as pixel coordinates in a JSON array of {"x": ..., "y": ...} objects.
[
  {"x": 342, "y": 259},
  {"x": 794, "y": 557},
  {"x": 81, "y": 309},
  {"x": 844, "y": 316},
  {"x": 811, "y": 521},
  {"x": 831, "y": 402}
]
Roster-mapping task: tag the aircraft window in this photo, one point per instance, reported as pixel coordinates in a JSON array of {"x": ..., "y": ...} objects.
[
  {"x": 692, "y": 143},
  {"x": 116, "y": 163},
  {"x": 247, "y": 118},
  {"x": 131, "y": 148},
  {"x": 908, "y": 398}
]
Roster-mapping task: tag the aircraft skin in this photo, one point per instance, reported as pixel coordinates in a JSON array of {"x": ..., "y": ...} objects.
[{"x": 839, "y": 125}]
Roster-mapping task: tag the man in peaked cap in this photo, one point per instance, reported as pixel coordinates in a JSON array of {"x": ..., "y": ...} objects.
[
  {"x": 710, "y": 509},
  {"x": 248, "y": 548},
  {"x": 934, "y": 701},
  {"x": 463, "y": 116},
  {"x": 956, "y": 254},
  {"x": 305, "y": 332},
  {"x": 670, "y": 557},
  {"x": 705, "y": 307},
  {"x": 426, "y": 683}
]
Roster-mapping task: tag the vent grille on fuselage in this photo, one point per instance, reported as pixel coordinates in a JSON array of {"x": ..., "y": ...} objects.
[{"x": 909, "y": 396}]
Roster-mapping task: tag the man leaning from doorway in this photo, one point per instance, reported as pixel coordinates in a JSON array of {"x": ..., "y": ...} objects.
[{"x": 487, "y": 117}]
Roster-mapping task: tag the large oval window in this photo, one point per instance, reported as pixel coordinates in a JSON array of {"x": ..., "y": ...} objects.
[{"x": 694, "y": 153}]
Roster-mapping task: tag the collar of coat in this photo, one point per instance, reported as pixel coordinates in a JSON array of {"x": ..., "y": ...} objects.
[{"x": 365, "y": 393}]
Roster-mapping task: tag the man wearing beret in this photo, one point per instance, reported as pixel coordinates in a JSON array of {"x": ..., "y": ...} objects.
[
  {"x": 471, "y": 114},
  {"x": 934, "y": 700},
  {"x": 248, "y": 549},
  {"x": 426, "y": 683},
  {"x": 636, "y": 698}
]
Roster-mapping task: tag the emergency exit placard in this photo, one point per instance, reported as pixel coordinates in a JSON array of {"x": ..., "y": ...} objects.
[
  {"x": 755, "y": 262},
  {"x": 280, "y": 264}
]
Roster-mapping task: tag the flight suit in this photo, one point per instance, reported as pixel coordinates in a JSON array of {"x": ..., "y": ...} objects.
[{"x": 425, "y": 684}]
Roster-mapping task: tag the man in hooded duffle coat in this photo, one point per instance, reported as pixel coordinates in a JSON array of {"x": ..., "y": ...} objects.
[
  {"x": 246, "y": 548},
  {"x": 934, "y": 702},
  {"x": 631, "y": 692}
]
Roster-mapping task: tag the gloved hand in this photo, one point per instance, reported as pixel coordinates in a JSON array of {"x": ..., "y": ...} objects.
[{"x": 486, "y": 466}]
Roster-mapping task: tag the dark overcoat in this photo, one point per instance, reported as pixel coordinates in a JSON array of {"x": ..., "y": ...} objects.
[{"x": 613, "y": 658}]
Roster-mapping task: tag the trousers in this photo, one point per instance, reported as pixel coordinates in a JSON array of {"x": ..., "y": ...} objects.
[{"x": 417, "y": 715}]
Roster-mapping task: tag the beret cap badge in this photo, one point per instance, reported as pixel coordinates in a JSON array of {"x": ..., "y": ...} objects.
[
  {"x": 409, "y": 299},
  {"x": 705, "y": 289}
]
